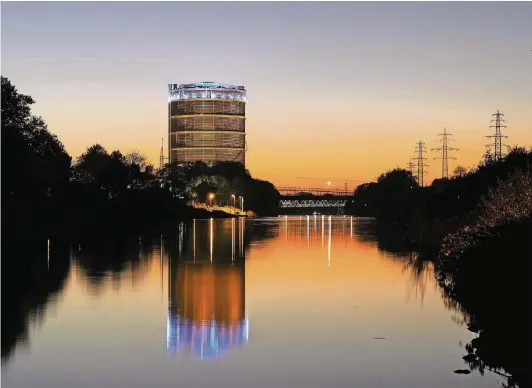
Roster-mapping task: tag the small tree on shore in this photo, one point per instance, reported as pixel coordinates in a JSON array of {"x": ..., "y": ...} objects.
[{"x": 459, "y": 171}]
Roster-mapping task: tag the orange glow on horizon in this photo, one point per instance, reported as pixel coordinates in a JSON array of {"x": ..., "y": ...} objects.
[{"x": 313, "y": 162}]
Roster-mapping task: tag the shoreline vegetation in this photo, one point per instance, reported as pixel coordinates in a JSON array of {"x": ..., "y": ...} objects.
[
  {"x": 476, "y": 229},
  {"x": 484, "y": 268},
  {"x": 47, "y": 192}
]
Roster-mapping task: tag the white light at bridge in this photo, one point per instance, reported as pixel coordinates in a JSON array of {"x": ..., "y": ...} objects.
[{"x": 329, "y": 247}]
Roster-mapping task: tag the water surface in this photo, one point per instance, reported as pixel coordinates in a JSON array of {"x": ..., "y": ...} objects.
[{"x": 281, "y": 302}]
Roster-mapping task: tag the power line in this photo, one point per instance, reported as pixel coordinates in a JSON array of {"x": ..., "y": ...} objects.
[
  {"x": 497, "y": 137},
  {"x": 444, "y": 150},
  {"x": 420, "y": 159}
]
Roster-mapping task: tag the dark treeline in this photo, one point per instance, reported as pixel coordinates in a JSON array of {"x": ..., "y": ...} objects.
[
  {"x": 476, "y": 228},
  {"x": 45, "y": 191},
  {"x": 442, "y": 207}
]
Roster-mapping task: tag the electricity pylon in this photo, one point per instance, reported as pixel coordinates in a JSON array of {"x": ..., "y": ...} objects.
[
  {"x": 444, "y": 148},
  {"x": 420, "y": 159},
  {"x": 497, "y": 137}
]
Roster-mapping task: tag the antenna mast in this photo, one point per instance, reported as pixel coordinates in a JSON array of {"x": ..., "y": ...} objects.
[
  {"x": 162, "y": 158},
  {"x": 161, "y": 155}
]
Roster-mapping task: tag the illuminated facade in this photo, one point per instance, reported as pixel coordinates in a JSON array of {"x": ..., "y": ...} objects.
[{"x": 206, "y": 122}]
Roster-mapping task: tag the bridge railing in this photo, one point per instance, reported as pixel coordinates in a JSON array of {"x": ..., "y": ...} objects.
[
  {"x": 318, "y": 202},
  {"x": 294, "y": 191}
]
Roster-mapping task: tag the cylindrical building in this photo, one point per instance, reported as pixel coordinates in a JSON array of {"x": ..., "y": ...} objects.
[{"x": 206, "y": 122}]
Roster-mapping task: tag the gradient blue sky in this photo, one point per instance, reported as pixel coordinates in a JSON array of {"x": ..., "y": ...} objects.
[{"x": 336, "y": 90}]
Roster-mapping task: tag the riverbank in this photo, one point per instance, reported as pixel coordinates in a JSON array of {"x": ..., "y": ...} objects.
[
  {"x": 484, "y": 274},
  {"x": 483, "y": 270},
  {"x": 488, "y": 282},
  {"x": 72, "y": 225},
  {"x": 481, "y": 261}
]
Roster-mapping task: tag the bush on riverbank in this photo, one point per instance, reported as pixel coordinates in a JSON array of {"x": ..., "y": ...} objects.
[
  {"x": 484, "y": 268},
  {"x": 510, "y": 201},
  {"x": 460, "y": 195},
  {"x": 489, "y": 281}
]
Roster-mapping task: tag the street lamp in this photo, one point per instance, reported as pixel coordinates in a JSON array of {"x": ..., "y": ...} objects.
[
  {"x": 234, "y": 203},
  {"x": 211, "y": 197},
  {"x": 241, "y": 203}
]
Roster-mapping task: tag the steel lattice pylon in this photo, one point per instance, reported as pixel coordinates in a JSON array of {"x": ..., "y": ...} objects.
[
  {"x": 420, "y": 159},
  {"x": 497, "y": 137},
  {"x": 445, "y": 152}
]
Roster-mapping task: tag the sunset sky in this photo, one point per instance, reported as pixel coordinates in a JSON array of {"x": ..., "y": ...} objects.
[{"x": 336, "y": 91}]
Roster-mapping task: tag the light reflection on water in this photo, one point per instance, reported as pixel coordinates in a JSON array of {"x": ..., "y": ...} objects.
[
  {"x": 205, "y": 339},
  {"x": 206, "y": 301},
  {"x": 284, "y": 301}
]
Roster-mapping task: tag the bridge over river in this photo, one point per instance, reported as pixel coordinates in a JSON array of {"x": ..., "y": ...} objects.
[{"x": 313, "y": 198}]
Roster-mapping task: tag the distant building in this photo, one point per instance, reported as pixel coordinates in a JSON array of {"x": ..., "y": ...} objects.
[{"x": 206, "y": 122}]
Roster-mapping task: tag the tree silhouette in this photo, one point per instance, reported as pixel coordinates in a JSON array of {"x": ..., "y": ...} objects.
[
  {"x": 393, "y": 198},
  {"x": 35, "y": 165},
  {"x": 459, "y": 171}
]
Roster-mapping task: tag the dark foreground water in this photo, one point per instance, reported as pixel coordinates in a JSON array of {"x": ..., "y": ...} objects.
[{"x": 281, "y": 302}]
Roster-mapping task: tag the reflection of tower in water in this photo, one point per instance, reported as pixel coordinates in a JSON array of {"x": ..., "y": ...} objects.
[{"x": 206, "y": 312}]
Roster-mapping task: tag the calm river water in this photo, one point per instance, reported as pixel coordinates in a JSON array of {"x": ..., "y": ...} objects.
[{"x": 279, "y": 302}]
